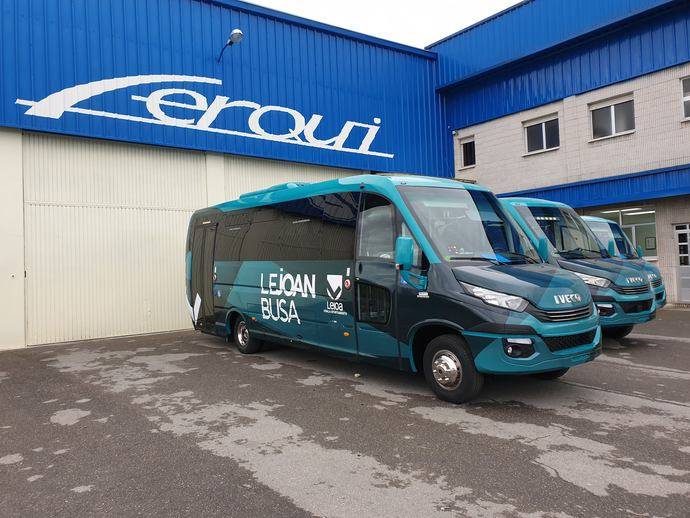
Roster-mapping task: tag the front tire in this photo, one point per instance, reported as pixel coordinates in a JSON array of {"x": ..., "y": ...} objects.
[
  {"x": 617, "y": 332},
  {"x": 450, "y": 371},
  {"x": 246, "y": 343},
  {"x": 551, "y": 375}
]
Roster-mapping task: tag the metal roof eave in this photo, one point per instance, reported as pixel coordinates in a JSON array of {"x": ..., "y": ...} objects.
[{"x": 552, "y": 48}]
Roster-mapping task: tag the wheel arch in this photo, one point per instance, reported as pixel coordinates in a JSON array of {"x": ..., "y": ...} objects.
[{"x": 425, "y": 331}]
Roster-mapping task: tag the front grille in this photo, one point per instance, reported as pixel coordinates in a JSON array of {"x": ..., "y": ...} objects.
[
  {"x": 631, "y": 290},
  {"x": 660, "y": 295},
  {"x": 657, "y": 283},
  {"x": 562, "y": 315},
  {"x": 637, "y": 307},
  {"x": 559, "y": 343}
]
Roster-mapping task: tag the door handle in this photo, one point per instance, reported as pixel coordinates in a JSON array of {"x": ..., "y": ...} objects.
[{"x": 359, "y": 268}]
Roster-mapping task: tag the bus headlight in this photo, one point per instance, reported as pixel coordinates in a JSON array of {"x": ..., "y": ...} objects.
[
  {"x": 494, "y": 298},
  {"x": 593, "y": 281}
]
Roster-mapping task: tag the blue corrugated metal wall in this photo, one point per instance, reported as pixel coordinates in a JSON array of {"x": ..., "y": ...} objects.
[
  {"x": 48, "y": 46},
  {"x": 647, "y": 185},
  {"x": 647, "y": 45},
  {"x": 525, "y": 29}
]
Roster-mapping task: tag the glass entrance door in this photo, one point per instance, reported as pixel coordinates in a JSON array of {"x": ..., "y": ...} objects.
[{"x": 682, "y": 243}]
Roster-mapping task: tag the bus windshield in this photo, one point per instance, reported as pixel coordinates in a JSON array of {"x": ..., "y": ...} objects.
[
  {"x": 468, "y": 225},
  {"x": 609, "y": 231},
  {"x": 565, "y": 230}
]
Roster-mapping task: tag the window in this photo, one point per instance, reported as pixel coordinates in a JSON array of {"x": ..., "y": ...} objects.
[
  {"x": 320, "y": 228},
  {"x": 542, "y": 135},
  {"x": 373, "y": 303},
  {"x": 376, "y": 228},
  {"x": 613, "y": 119},
  {"x": 683, "y": 233},
  {"x": 637, "y": 221},
  {"x": 468, "y": 157},
  {"x": 686, "y": 97}
]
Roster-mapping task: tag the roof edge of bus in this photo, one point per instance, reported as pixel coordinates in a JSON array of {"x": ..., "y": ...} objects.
[
  {"x": 305, "y": 189},
  {"x": 596, "y": 218},
  {"x": 534, "y": 202}
]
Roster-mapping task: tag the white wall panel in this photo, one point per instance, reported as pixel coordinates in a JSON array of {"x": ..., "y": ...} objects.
[
  {"x": 250, "y": 174},
  {"x": 105, "y": 227}
]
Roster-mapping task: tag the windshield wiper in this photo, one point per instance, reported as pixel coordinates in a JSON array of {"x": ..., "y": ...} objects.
[
  {"x": 527, "y": 258},
  {"x": 581, "y": 252},
  {"x": 474, "y": 258}
]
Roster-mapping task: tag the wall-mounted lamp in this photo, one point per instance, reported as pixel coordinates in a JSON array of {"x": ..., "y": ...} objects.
[{"x": 236, "y": 36}]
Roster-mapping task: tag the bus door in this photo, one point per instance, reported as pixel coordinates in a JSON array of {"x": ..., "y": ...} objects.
[
  {"x": 203, "y": 244},
  {"x": 376, "y": 280}
]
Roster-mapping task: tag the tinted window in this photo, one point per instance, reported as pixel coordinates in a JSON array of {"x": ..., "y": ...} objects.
[
  {"x": 376, "y": 228},
  {"x": 373, "y": 303},
  {"x": 686, "y": 97},
  {"x": 309, "y": 229},
  {"x": 339, "y": 217},
  {"x": 232, "y": 229}
]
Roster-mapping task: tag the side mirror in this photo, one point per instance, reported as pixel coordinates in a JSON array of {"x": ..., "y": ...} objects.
[
  {"x": 404, "y": 253},
  {"x": 543, "y": 249},
  {"x": 640, "y": 252},
  {"x": 612, "y": 250}
]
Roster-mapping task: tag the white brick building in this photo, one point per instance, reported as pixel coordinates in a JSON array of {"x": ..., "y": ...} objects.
[{"x": 653, "y": 133}]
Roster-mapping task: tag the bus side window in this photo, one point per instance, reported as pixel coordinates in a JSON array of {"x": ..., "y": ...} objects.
[
  {"x": 373, "y": 303},
  {"x": 376, "y": 228},
  {"x": 339, "y": 218}
]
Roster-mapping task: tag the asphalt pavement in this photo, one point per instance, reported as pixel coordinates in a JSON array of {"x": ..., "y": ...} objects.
[{"x": 181, "y": 424}]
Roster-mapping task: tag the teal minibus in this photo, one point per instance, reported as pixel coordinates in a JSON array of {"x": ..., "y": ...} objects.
[
  {"x": 621, "y": 291},
  {"x": 415, "y": 273},
  {"x": 618, "y": 245}
]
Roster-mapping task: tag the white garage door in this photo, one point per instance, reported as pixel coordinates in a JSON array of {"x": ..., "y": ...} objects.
[{"x": 105, "y": 227}]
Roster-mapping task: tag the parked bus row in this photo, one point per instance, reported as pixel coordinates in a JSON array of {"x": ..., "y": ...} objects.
[{"x": 419, "y": 274}]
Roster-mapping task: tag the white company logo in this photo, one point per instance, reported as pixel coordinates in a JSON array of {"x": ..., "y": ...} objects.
[
  {"x": 568, "y": 298},
  {"x": 301, "y": 134},
  {"x": 335, "y": 286},
  {"x": 634, "y": 280}
]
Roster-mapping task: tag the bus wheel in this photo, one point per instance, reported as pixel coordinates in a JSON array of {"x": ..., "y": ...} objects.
[
  {"x": 617, "y": 332},
  {"x": 246, "y": 343},
  {"x": 449, "y": 369},
  {"x": 550, "y": 375}
]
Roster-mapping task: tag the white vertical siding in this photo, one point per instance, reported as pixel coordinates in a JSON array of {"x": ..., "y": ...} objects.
[
  {"x": 250, "y": 174},
  {"x": 105, "y": 228}
]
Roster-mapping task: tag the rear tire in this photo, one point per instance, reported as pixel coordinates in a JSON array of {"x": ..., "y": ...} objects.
[
  {"x": 551, "y": 375},
  {"x": 617, "y": 332},
  {"x": 246, "y": 343},
  {"x": 450, "y": 371}
]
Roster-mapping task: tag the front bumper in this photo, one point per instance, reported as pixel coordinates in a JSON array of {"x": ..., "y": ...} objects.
[
  {"x": 660, "y": 296},
  {"x": 617, "y": 310},
  {"x": 490, "y": 357}
]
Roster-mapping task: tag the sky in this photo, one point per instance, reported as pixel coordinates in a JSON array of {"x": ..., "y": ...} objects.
[{"x": 417, "y": 23}]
